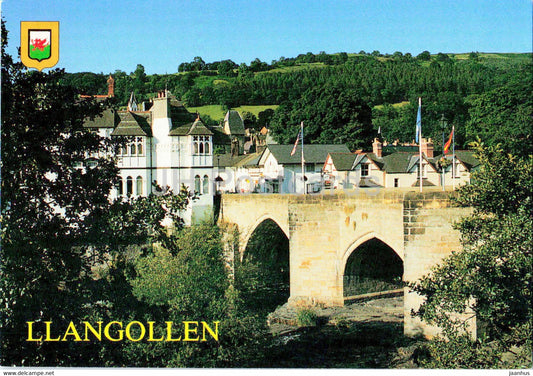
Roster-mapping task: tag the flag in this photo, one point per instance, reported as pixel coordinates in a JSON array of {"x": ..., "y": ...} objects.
[
  {"x": 296, "y": 143},
  {"x": 419, "y": 120},
  {"x": 449, "y": 142}
]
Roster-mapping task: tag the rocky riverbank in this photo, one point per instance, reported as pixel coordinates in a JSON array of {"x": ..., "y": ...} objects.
[{"x": 366, "y": 334}]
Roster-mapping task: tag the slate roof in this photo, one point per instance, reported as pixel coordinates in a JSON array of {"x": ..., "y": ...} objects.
[
  {"x": 342, "y": 161},
  {"x": 389, "y": 149},
  {"x": 133, "y": 124},
  {"x": 219, "y": 137},
  {"x": 312, "y": 153},
  {"x": 466, "y": 157},
  {"x": 179, "y": 114},
  {"x": 227, "y": 160},
  {"x": 195, "y": 128},
  {"x": 395, "y": 163},
  {"x": 235, "y": 123},
  {"x": 109, "y": 119}
]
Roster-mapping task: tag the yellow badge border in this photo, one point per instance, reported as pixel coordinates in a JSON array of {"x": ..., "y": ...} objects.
[{"x": 25, "y": 27}]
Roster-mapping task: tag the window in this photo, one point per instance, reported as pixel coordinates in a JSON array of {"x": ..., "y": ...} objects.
[
  {"x": 119, "y": 187},
  {"x": 396, "y": 182},
  {"x": 129, "y": 186},
  {"x": 197, "y": 184},
  {"x": 201, "y": 145},
  {"x": 132, "y": 149},
  {"x": 120, "y": 151},
  {"x": 140, "y": 148},
  {"x": 205, "y": 185},
  {"x": 364, "y": 170},
  {"x": 275, "y": 186},
  {"x": 139, "y": 188},
  {"x": 310, "y": 167}
]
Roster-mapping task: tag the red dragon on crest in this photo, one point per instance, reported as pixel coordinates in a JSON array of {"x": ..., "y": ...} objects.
[{"x": 38, "y": 44}]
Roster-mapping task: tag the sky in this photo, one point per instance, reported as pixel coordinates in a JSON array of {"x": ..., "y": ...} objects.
[{"x": 103, "y": 36}]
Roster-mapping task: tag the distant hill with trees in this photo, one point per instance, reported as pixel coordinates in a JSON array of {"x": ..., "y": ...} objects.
[{"x": 450, "y": 85}]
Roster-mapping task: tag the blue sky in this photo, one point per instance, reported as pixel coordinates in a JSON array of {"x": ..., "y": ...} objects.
[{"x": 105, "y": 35}]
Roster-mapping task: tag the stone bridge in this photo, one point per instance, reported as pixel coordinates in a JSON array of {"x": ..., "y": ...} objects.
[{"x": 323, "y": 231}]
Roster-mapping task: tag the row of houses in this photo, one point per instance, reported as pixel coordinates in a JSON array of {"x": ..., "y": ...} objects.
[
  {"x": 275, "y": 170},
  {"x": 169, "y": 146}
]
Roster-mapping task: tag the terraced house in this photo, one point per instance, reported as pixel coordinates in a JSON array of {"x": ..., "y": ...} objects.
[{"x": 398, "y": 167}]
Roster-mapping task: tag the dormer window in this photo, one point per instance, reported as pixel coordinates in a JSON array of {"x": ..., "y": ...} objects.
[{"x": 364, "y": 170}]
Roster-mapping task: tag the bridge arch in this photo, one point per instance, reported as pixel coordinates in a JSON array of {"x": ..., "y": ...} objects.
[
  {"x": 370, "y": 264},
  {"x": 249, "y": 231},
  {"x": 361, "y": 240}
]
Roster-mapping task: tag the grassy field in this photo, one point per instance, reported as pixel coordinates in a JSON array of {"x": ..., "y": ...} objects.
[
  {"x": 395, "y": 105},
  {"x": 294, "y": 68},
  {"x": 216, "y": 112}
]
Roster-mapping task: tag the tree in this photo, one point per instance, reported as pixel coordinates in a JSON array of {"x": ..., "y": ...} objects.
[
  {"x": 493, "y": 272},
  {"x": 189, "y": 281},
  {"x": 226, "y": 67},
  {"x": 331, "y": 114},
  {"x": 50, "y": 209},
  {"x": 424, "y": 56},
  {"x": 263, "y": 118},
  {"x": 249, "y": 119},
  {"x": 503, "y": 115},
  {"x": 198, "y": 64},
  {"x": 139, "y": 81}
]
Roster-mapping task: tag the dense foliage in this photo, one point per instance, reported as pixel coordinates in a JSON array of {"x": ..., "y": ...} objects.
[
  {"x": 50, "y": 210},
  {"x": 70, "y": 254},
  {"x": 493, "y": 273},
  {"x": 457, "y": 88}
]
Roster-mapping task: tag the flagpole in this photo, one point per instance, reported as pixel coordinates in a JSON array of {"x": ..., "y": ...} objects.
[
  {"x": 443, "y": 175},
  {"x": 420, "y": 142},
  {"x": 453, "y": 157},
  {"x": 303, "y": 167}
]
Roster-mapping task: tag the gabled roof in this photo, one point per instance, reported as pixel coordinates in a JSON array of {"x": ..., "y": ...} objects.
[
  {"x": 227, "y": 160},
  {"x": 178, "y": 113},
  {"x": 108, "y": 119},
  {"x": 195, "y": 128},
  {"x": 390, "y": 149},
  {"x": 312, "y": 153},
  {"x": 398, "y": 162},
  {"x": 342, "y": 161},
  {"x": 235, "y": 123},
  {"x": 133, "y": 124},
  {"x": 466, "y": 157},
  {"x": 219, "y": 137}
]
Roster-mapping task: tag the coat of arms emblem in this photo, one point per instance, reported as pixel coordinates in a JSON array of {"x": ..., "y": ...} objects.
[{"x": 39, "y": 44}]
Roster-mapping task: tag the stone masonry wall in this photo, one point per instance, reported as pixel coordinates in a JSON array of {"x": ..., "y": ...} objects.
[{"x": 323, "y": 231}]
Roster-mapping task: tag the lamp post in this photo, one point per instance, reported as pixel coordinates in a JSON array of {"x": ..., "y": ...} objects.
[{"x": 218, "y": 179}]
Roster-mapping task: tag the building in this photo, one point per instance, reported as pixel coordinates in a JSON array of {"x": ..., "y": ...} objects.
[
  {"x": 397, "y": 167},
  {"x": 282, "y": 171},
  {"x": 166, "y": 146}
]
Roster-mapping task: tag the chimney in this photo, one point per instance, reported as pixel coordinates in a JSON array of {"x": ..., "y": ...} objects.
[
  {"x": 377, "y": 148},
  {"x": 427, "y": 147},
  {"x": 110, "y": 86}
]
